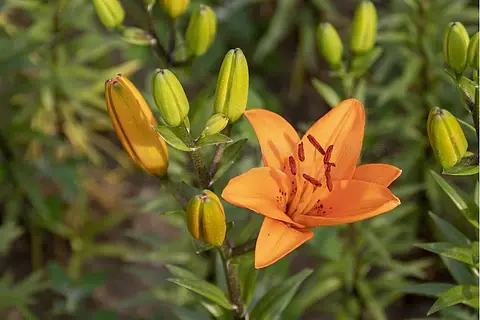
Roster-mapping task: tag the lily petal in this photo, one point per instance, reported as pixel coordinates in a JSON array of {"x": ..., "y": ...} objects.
[
  {"x": 263, "y": 190},
  {"x": 276, "y": 136},
  {"x": 342, "y": 127},
  {"x": 275, "y": 240},
  {"x": 379, "y": 173},
  {"x": 351, "y": 201}
]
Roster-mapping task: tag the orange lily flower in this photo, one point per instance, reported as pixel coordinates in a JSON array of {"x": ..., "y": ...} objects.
[{"x": 310, "y": 182}]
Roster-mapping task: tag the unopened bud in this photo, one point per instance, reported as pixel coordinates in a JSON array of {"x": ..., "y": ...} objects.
[
  {"x": 206, "y": 218},
  {"x": 215, "y": 124},
  {"x": 201, "y": 30},
  {"x": 329, "y": 44},
  {"x": 446, "y": 137},
  {"x": 170, "y": 98},
  {"x": 364, "y": 28},
  {"x": 133, "y": 120},
  {"x": 175, "y": 8},
  {"x": 231, "y": 94},
  {"x": 473, "y": 52},
  {"x": 110, "y": 12},
  {"x": 455, "y": 46}
]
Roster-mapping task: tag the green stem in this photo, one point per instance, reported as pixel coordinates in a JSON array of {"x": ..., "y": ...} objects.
[
  {"x": 217, "y": 156},
  {"x": 233, "y": 282},
  {"x": 36, "y": 242},
  {"x": 475, "y": 111},
  {"x": 244, "y": 248}
]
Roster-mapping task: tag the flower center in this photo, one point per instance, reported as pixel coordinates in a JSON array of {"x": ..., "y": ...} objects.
[{"x": 306, "y": 183}]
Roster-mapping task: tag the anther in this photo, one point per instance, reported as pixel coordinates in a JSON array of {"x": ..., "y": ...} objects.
[
  {"x": 328, "y": 154},
  {"x": 293, "y": 165},
  {"x": 315, "y": 143},
  {"x": 301, "y": 152},
  {"x": 329, "y": 181},
  {"x": 312, "y": 180}
]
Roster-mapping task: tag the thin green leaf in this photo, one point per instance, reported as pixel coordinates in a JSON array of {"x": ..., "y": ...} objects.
[
  {"x": 467, "y": 166},
  {"x": 450, "y": 232},
  {"x": 459, "y": 271},
  {"x": 229, "y": 156},
  {"x": 367, "y": 295},
  {"x": 448, "y": 250},
  {"x": 459, "y": 294},
  {"x": 212, "y": 139},
  {"x": 206, "y": 290},
  {"x": 326, "y": 92},
  {"x": 172, "y": 137},
  {"x": 360, "y": 64},
  {"x": 460, "y": 203},
  {"x": 272, "y": 304},
  {"x": 467, "y": 125},
  {"x": 428, "y": 289}
]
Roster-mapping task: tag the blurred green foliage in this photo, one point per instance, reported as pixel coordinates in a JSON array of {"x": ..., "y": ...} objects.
[{"x": 84, "y": 235}]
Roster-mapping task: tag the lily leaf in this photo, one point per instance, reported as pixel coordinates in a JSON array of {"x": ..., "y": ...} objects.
[
  {"x": 230, "y": 154},
  {"x": 450, "y": 232},
  {"x": 432, "y": 289},
  {"x": 467, "y": 166},
  {"x": 172, "y": 137},
  {"x": 362, "y": 63},
  {"x": 272, "y": 304},
  {"x": 212, "y": 139},
  {"x": 326, "y": 92},
  {"x": 468, "y": 212},
  {"x": 458, "y": 294},
  {"x": 449, "y": 250}
]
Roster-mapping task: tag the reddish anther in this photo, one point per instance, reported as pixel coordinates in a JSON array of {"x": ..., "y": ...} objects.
[
  {"x": 312, "y": 180},
  {"x": 329, "y": 181},
  {"x": 293, "y": 165},
  {"x": 315, "y": 143},
  {"x": 301, "y": 152},
  {"x": 328, "y": 154}
]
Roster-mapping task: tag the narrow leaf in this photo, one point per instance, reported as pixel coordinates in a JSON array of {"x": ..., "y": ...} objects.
[
  {"x": 205, "y": 289},
  {"x": 459, "y": 294},
  {"x": 172, "y": 137},
  {"x": 450, "y": 232},
  {"x": 368, "y": 298},
  {"x": 229, "y": 156},
  {"x": 212, "y": 139},
  {"x": 361, "y": 64},
  {"x": 428, "y": 289},
  {"x": 449, "y": 250},
  {"x": 460, "y": 203},
  {"x": 326, "y": 92},
  {"x": 272, "y": 304}
]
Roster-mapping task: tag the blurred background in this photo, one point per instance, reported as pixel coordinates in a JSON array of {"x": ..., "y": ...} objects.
[{"x": 84, "y": 234}]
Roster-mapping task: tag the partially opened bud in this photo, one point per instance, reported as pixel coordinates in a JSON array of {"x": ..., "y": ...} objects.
[
  {"x": 446, "y": 137},
  {"x": 170, "y": 98},
  {"x": 133, "y": 120},
  {"x": 215, "y": 124},
  {"x": 201, "y": 30},
  {"x": 175, "y": 8},
  {"x": 329, "y": 44},
  {"x": 364, "y": 28},
  {"x": 231, "y": 94},
  {"x": 110, "y": 12},
  {"x": 473, "y": 52},
  {"x": 206, "y": 218},
  {"x": 455, "y": 46}
]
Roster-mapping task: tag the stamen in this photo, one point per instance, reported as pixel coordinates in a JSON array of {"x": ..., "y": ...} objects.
[
  {"x": 328, "y": 154},
  {"x": 329, "y": 180},
  {"x": 301, "y": 152},
  {"x": 315, "y": 143},
  {"x": 293, "y": 165},
  {"x": 312, "y": 180}
]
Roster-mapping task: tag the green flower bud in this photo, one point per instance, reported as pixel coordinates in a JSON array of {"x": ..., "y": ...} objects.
[
  {"x": 215, "y": 124},
  {"x": 364, "y": 28},
  {"x": 175, "y": 8},
  {"x": 206, "y": 218},
  {"x": 170, "y": 98},
  {"x": 231, "y": 94},
  {"x": 329, "y": 44},
  {"x": 201, "y": 30},
  {"x": 110, "y": 12},
  {"x": 446, "y": 137},
  {"x": 455, "y": 46},
  {"x": 473, "y": 52}
]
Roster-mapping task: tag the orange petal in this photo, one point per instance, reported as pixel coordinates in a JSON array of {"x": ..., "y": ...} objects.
[
  {"x": 343, "y": 128},
  {"x": 276, "y": 136},
  {"x": 379, "y": 173},
  {"x": 275, "y": 240},
  {"x": 350, "y": 201},
  {"x": 263, "y": 190}
]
